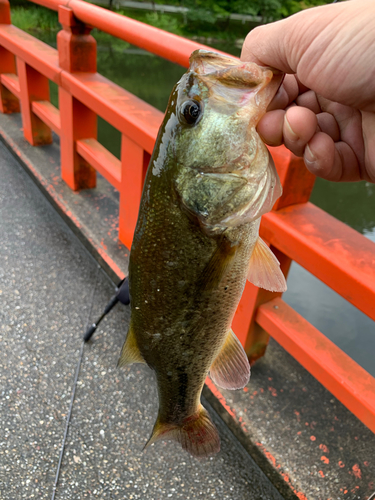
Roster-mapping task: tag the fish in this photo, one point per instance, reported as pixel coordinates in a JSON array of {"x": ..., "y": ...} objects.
[{"x": 196, "y": 242}]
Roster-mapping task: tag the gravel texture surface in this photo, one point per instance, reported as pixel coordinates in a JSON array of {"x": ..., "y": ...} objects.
[{"x": 49, "y": 287}]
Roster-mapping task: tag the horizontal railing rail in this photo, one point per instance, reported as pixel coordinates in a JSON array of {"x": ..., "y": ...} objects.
[
  {"x": 296, "y": 230},
  {"x": 172, "y": 47}
]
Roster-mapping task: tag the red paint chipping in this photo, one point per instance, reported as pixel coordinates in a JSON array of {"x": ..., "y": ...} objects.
[
  {"x": 220, "y": 397},
  {"x": 313, "y": 438},
  {"x": 324, "y": 459},
  {"x": 272, "y": 459},
  {"x": 301, "y": 496},
  {"x": 321, "y": 473},
  {"x": 341, "y": 464},
  {"x": 357, "y": 471},
  {"x": 286, "y": 477},
  {"x": 324, "y": 448}
]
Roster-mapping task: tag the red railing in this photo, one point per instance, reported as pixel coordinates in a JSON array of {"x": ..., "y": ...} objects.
[{"x": 296, "y": 229}]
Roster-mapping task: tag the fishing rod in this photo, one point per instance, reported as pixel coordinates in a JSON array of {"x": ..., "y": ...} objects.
[{"x": 122, "y": 295}]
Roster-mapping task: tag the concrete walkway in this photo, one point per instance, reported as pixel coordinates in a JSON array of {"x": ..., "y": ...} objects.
[{"x": 49, "y": 288}]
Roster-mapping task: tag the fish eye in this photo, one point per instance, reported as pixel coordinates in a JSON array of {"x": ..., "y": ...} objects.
[{"x": 191, "y": 111}]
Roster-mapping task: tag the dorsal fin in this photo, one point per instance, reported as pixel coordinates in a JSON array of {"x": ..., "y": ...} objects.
[
  {"x": 130, "y": 352},
  {"x": 264, "y": 269},
  {"x": 231, "y": 368}
]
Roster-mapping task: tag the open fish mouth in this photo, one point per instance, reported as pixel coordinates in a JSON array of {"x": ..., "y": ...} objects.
[{"x": 235, "y": 74}]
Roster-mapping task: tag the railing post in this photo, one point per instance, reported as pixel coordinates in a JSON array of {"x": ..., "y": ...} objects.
[
  {"x": 297, "y": 183},
  {"x": 77, "y": 52},
  {"x": 4, "y": 12},
  {"x": 251, "y": 335},
  {"x": 134, "y": 163},
  {"x": 33, "y": 87},
  {"x": 8, "y": 102}
]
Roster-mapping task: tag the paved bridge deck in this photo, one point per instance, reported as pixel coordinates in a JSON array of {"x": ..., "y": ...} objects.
[
  {"x": 305, "y": 441},
  {"x": 49, "y": 288}
]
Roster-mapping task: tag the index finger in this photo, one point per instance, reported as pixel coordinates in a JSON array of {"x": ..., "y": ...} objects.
[{"x": 287, "y": 93}]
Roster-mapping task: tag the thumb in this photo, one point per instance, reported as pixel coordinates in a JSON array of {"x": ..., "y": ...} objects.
[
  {"x": 283, "y": 44},
  {"x": 329, "y": 48},
  {"x": 267, "y": 46}
]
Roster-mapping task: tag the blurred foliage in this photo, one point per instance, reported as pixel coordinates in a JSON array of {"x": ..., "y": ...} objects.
[
  {"x": 164, "y": 22},
  {"x": 209, "y": 10},
  {"x": 204, "y": 18},
  {"x": 33, "y": 18}
]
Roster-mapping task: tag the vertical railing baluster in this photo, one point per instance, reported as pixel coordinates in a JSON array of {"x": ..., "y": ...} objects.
[
  {"x": 33, "y": 87},
  {"x": 77, "y": 52},
  {"x": 134, "y": 162},
  {"x": 8, "y": 102},
  {"x": 4, "y": 12},
  {"x": 297, "y": 184}
]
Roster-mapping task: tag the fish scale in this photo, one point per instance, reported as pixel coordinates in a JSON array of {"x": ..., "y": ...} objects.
[{"x": 196, "y": 236}]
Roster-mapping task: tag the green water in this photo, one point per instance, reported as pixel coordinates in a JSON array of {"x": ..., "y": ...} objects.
[{"x": 152, "y": 78}]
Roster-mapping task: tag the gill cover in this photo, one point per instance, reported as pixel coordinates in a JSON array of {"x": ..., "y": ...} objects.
[{"x": 227, "y": 176}]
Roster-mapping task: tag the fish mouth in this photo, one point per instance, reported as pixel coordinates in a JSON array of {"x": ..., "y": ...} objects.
[
  {"x": 232, "y": 71},
  {"x": 235, "y": 80}
]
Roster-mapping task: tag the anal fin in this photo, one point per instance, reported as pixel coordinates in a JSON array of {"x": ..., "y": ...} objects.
[
  {"x": 264, "y": 269},
  {"x": 231, "y": 368},
  {"x": 130, "y": 352}
]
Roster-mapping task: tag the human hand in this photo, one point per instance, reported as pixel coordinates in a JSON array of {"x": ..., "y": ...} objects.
[{"x": 325, "y": 109}]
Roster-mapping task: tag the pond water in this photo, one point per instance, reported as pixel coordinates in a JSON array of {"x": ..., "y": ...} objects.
[{"x": 152, "y": 78}]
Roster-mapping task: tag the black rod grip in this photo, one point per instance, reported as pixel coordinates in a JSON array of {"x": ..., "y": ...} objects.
[{"x": 90, "y": 332}]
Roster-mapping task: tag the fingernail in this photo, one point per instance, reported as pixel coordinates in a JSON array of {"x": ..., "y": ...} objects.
[
  {"x": 294, "y": 136},
  {"x": 309, "y": 156}
]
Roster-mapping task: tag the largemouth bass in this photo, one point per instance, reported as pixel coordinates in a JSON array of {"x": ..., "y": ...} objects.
[{"x": 196, "y": 242}]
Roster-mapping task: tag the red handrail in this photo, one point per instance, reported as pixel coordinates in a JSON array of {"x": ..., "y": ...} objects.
[
  {"x": 336, "y": 254},
  {"x": 172, "y": 47}
]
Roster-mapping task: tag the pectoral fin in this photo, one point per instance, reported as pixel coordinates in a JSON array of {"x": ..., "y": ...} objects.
[
  {"x": 231, "y": 368},
  {"x": 218, "y": 265},
  {"x": 264, "y": 269},
  {"x": 130, "y": 352}
]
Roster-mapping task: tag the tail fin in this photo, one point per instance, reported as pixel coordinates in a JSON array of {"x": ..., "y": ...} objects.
[{"x": 197, "y": 434}]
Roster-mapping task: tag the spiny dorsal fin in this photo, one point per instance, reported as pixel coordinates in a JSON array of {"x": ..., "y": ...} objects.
[
  {"x": 130, "y": 352},
  {"x": 231, "y": 368},
  {"x": 196, "y": 434},
  {"x": 264, "y": 269}
]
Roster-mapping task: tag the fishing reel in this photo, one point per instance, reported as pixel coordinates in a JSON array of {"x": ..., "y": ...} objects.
[{"x": 122, "y": 295}]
